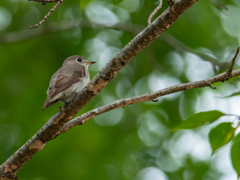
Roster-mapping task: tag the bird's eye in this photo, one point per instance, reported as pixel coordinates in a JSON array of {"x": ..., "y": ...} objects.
[{"x": 79, "y": 59}]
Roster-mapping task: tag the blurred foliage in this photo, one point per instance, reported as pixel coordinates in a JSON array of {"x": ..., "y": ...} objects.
[
  {"x": 232, "y": 94},
  {"x": 132, "y": 142}
]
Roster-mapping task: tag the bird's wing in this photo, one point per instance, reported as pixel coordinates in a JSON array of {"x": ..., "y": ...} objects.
[{"x": 65, "y": 79}]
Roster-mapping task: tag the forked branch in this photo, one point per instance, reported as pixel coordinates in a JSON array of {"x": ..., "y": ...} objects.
[
  {"x": 53, "y": 127},
  {"x": 154, "y": 12}
]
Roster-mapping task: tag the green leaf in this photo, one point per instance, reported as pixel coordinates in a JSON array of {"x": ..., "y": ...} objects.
[
  {"x": 117, "y": 2},
  {"x": 221, "y": 135},
  {"x": 235, "y": 155},
  {"x": 199, "y": 119},
  {"x": 84, "y": 3}
]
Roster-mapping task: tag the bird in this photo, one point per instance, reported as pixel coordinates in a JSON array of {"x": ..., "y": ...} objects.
[{"x": 69, "y": 80}]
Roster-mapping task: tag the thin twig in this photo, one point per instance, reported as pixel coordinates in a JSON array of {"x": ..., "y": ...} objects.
[
  {"x": 154, "y": 12},
  {"x": 233, "y": 61},
  {"x": 48, "y": 14},
  {"x": 64, "y": 26}
]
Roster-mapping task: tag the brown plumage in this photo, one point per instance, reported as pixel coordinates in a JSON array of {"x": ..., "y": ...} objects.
[{"x": 70, "y": 79}]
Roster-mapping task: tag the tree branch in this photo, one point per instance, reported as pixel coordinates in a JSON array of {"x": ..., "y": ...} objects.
[
  {"x": 64, "y": 26},
  {"x": 131, "y": 28},
  {"x": 52, "y": 128},
  {"x": 148, "y": 97}
]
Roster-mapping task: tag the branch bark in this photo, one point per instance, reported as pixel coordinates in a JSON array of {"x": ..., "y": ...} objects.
[{"x": 53, "y": 127}]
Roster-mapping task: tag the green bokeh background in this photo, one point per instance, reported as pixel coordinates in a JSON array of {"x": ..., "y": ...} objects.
[{"x": 131, "y": 142}]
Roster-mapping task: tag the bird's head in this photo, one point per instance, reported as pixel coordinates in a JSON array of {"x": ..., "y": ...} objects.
[{"x": 78, "y": 60}]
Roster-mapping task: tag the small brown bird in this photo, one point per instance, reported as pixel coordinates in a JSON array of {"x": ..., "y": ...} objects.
[{"x": 70, "y": 79}]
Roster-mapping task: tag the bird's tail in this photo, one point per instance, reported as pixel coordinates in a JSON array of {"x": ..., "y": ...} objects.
[{"x": 47, "y": 103}]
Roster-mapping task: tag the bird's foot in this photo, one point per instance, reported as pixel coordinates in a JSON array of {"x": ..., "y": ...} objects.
[{"x": 62, "y": 108}]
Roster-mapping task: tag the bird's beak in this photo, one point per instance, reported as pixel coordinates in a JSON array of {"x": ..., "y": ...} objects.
[{"x": 91, "y": 62}]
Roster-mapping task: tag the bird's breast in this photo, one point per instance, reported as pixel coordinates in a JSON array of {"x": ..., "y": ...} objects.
[{"x": 77, "y": 87}]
